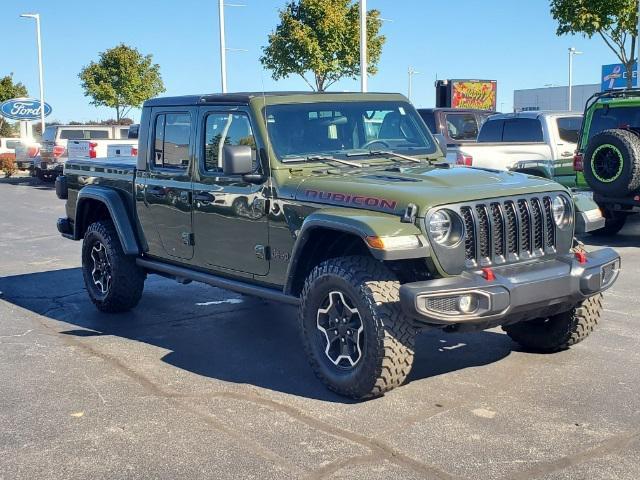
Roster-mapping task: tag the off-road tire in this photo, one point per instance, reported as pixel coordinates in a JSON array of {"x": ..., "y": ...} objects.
[
  {"x": 612, "y": 162},
  {"x": 388, "y": 334},
  {"x": 614, "y": 221},
  {"x": 127, "y": 279},
  {"x": 561, "y": 331}
]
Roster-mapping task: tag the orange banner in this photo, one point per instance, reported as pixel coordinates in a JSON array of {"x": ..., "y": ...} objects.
[{"x": 479, "y": 95}]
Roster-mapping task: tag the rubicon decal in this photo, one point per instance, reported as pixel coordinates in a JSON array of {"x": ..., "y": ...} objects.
[{"x": 355, "y": 200}]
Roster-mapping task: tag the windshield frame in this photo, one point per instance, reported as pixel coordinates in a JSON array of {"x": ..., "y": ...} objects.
[{"x": 428, "y": 150}]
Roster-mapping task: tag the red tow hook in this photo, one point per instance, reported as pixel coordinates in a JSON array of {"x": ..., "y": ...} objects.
[
  {"x": 488, "y": 274},
  {"x": 581, "y": 257}
]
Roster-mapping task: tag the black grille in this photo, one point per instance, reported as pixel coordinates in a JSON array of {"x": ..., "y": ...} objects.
[
  {"x": 499, "y": 232},
  {"x": 442, "y": 304},
  {"x": 469, "y": 241}
]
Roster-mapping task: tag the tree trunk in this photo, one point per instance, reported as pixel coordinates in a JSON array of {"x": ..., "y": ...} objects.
[
  {"x": 319, "y": 83},
  {"x": 118, "y": 115},
  {"x": 629, "y": 65}
]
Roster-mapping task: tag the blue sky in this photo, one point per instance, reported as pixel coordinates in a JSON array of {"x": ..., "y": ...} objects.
[{"x": 513, "y": 42}]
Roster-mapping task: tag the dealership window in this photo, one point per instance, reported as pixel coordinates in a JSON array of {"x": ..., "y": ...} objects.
[{"x": 171, "y": 140}]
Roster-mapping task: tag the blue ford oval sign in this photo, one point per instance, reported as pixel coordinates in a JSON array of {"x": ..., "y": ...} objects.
[{"x": 23, "y": 109}]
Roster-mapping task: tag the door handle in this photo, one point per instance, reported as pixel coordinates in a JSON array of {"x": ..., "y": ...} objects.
[
  {"x": 157, "y": 191},
  {"x": 567, "y": 154},
  {"x": 204, "y": 197}
]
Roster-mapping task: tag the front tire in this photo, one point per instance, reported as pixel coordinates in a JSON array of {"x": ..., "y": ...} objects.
[
  {"x": 113, "y": 280},
  {"x": 358, "y": 341},
  {"x": 560, "y": 331}
]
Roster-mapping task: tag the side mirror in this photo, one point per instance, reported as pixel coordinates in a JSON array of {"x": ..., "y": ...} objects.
[
  {"x": 442, "y": 142},
  {"x": 237, "y": 160}
]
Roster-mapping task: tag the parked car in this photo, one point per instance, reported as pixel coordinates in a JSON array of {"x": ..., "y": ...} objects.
[
  {"x": 608, "y": 155},
  {"x": 458, "y": 126},
  {"x": 53, "y": 153},
  {"x": 539, "y": 143},
  {"x": 371, "y": 235},
  {"x": 27, "y": 150}
]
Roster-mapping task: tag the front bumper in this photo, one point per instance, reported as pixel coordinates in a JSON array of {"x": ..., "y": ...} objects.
[{"x": 518, "y": 292}]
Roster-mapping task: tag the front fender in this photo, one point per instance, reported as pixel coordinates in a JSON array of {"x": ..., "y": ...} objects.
[
  {"x": 361, "y": 223},
  {"x": 117, "y": 210}
]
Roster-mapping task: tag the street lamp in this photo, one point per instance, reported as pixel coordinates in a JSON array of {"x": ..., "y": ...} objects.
[
  {"x": 363, "y": 46},
  {"x": 36, "y": 16},
  {"x": 411, "y": 72},
  {"x": 572, "y": 53},
  {"x": 223, "y": 46}
]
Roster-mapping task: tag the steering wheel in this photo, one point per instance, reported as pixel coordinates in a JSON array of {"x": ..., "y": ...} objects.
[{"x": 373, "y": 142}]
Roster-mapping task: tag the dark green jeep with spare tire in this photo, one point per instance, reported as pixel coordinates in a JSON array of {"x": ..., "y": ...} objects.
[
  {"x": 609, "y": 155},
  {"x": 340, "y": 204}
]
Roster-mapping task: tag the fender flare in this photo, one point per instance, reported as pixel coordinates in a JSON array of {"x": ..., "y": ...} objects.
[
  {"x": 118, "y": 212},
  {"x": 358, "y": 223}
]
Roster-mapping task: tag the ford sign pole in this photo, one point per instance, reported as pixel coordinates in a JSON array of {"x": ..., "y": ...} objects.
[{"x": 37, "y": 18}]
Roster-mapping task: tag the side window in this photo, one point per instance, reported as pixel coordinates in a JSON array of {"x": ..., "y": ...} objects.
[
  {"x": 429, "y": 118},
  {"x": 124, "y": 132},
  {"x": 491, "y": 131},
  {"x": 523, "y": 130},
  {"x": 171, "y": 140},
  {"x": 569, "y": 128},
  {"x": 96, "y": 134},
  {"x": 226, "y": 129}
]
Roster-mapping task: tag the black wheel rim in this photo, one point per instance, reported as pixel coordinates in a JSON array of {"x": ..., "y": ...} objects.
[
  {"x": 101, "y": 271},
  {"x": 341, "y": 328},
  {"x": 607, "y": 163}
]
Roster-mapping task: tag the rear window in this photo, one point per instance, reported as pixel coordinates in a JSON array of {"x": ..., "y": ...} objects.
[
  {"x": 491, "y": 131},
  {"x": 124, "y": 132},
  {"x": 73, "y": 134},
  {"x": 618, "y": 117},
  {"x": 49, "y": 134},
  {"x": 569, "y": 128},
  {"x": 12, "y": 143},
  {"x": 522, "y": 130},
  {"x": 429, "y": 118},
  {"x": 462, "y": 126}
]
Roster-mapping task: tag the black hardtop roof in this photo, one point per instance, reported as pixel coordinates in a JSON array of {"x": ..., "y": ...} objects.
[{"x": 239, "y": 97}]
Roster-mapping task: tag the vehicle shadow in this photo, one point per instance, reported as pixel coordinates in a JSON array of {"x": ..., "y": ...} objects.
[
  {"x": 627, "y": 237},
  {"x": 253, "y": 342},
  {"x": 27, "y": 181}
]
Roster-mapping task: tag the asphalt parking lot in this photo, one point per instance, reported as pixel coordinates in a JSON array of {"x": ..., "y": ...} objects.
[{"x": 197, "y": 382}]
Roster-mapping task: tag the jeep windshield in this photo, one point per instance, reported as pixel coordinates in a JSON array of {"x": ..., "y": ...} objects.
[{"x": 302, "y": 132}]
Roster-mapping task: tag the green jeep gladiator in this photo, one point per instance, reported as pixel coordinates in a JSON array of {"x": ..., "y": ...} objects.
[
  {"x": 608, "y": 155},
  {"x": 341, "y": 205}
]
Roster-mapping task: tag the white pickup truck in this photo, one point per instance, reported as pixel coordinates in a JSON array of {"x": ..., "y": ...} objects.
[{"x": 540, "y": 143}]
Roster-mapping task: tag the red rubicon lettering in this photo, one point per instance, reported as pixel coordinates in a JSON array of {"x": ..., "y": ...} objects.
[{"x": 358, "y": 200}]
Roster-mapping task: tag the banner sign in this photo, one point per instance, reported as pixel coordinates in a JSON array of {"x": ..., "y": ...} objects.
[
  {"x": 478, "y": 94},
  {"x": 614, "y": 76},
  {"x": 23, "y": 109}
]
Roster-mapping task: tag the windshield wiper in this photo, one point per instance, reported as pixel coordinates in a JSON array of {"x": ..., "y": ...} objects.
[
  {"x": 388, "y": 153},
  {"x": 323, "y": 158}
]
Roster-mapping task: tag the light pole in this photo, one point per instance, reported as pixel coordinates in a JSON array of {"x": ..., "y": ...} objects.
[
  {"x": 411, "y": 72},
  {"x": 37, "y": 18},
  {"x": 363, "y": 46},
  {"x": 223, "y": 45},
  {"x": 572, "y": 53}
]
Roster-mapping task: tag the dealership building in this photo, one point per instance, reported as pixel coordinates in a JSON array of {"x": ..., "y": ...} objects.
[{"x": 553, "y": 98}]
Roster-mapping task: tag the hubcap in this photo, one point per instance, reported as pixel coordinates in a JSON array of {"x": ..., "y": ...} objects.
[
  {"x": 342, "y": 327},
  {"x": 101, "y": 273}
]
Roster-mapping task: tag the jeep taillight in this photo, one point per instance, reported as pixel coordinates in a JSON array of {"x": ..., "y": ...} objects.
[
  {"x": 92, "y": 149},
  {"x": 58, "y": 151},
  {"x": 32, "y": 151},
  {"x": 578, "y": 162},
  {"x": 465, "y": 160}
]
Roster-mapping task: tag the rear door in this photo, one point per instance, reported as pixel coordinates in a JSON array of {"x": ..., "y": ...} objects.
[
  {"x": 565, "y": 131},
  {"x": 167, "y": 183},
  {"x": 229, "y": 214}
]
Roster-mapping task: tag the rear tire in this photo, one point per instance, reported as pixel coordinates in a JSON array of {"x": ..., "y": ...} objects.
[
  {"x": 358, "y": 341},
  {"x": 113, "y": 280},
  {"x": 612, "y": 162}
]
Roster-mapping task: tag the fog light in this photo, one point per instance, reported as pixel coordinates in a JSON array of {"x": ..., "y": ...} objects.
[{"x": 467, "y": 304}]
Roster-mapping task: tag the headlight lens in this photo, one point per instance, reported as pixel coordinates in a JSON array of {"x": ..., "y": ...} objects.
[
  {"x": 561, "y": 211},
  {"x": 440, "y": 226}
]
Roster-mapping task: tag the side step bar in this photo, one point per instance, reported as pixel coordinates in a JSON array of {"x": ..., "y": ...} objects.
[{"x": 215, "y": 281}]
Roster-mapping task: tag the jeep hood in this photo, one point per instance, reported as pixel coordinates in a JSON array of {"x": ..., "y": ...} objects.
[{"x": 392, "y": 190}]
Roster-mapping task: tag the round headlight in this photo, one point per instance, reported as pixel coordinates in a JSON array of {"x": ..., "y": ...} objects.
[
  {"x": 561, "y": 211},
  {"x": 440, "y": 226}
]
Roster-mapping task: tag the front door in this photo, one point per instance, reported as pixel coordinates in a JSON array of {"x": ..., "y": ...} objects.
[
  {"x": 229, "y": 214},
  {"x": 167, "y": 190}
]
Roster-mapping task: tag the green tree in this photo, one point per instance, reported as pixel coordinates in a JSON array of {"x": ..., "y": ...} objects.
[
  {"x": 322, "y": 37},
  {"x": 9, "y": 89},
  {"x": 122, "y": 78},
  {"x": 615, "y": 21}
]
